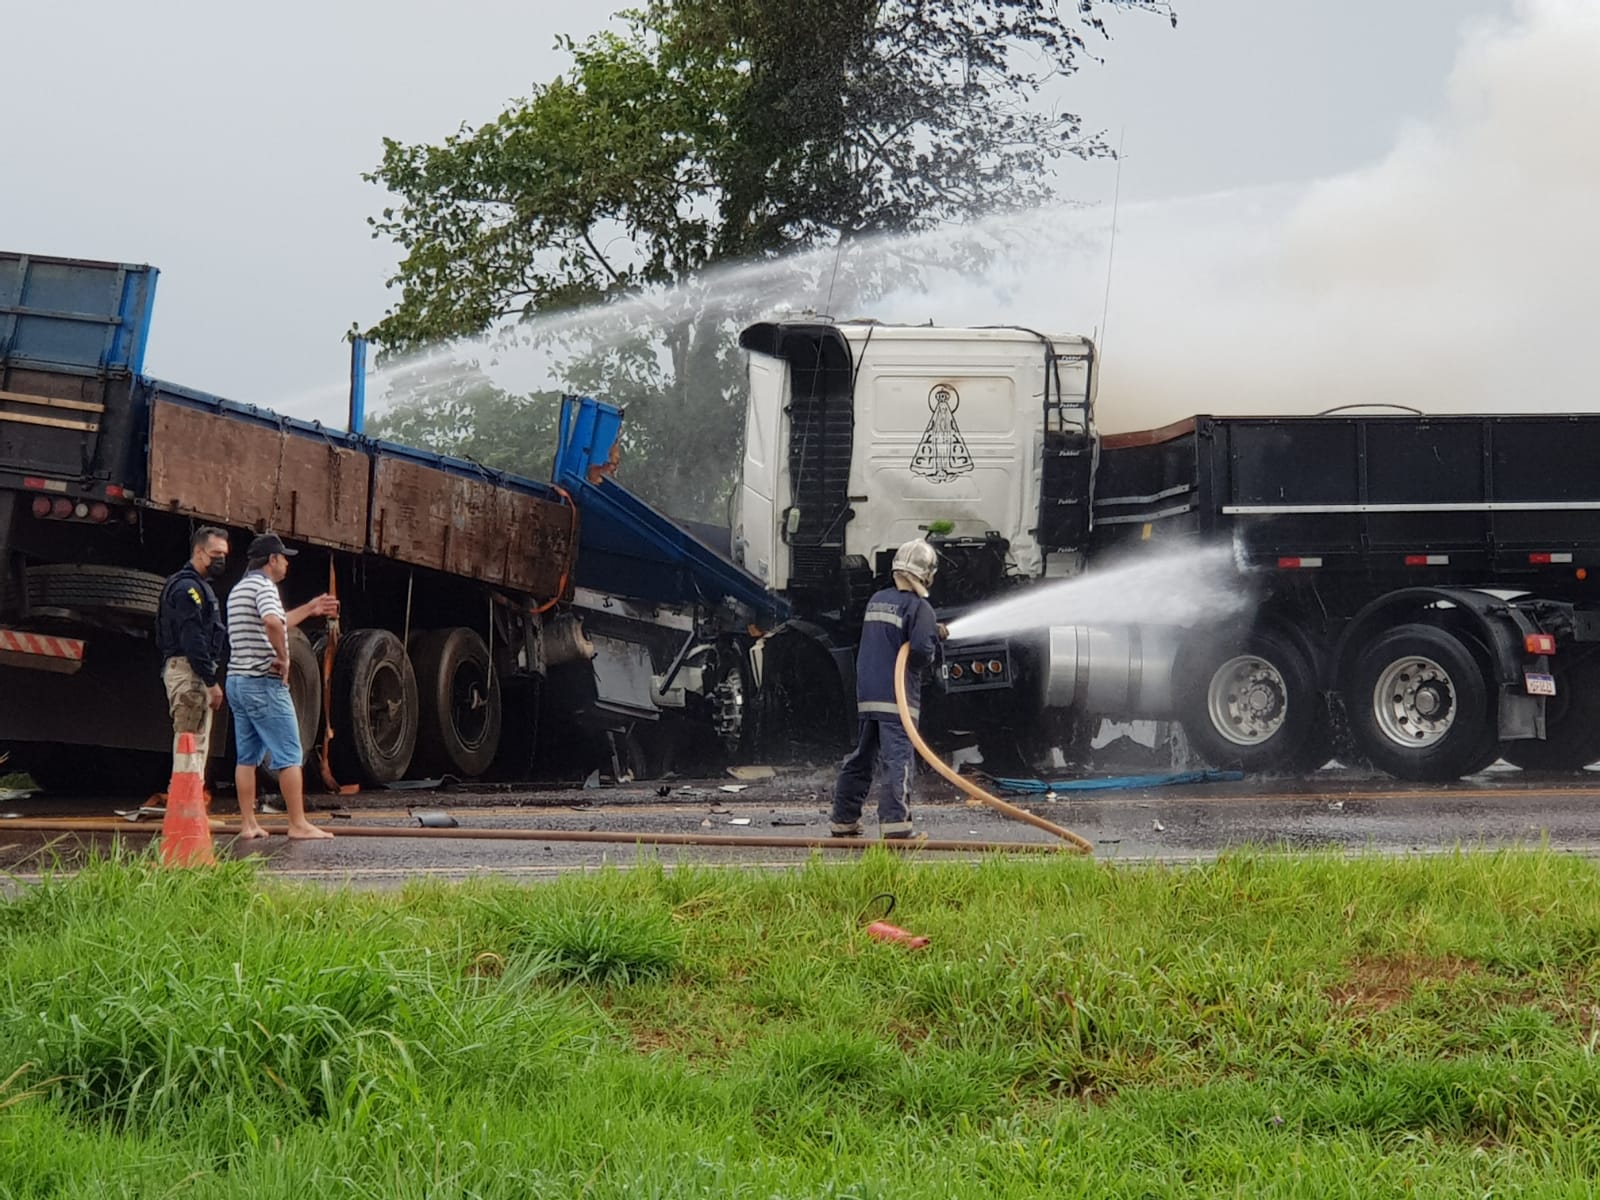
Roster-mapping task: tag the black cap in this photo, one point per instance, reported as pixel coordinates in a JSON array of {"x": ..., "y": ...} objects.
[{"x": 267, "y": 545}]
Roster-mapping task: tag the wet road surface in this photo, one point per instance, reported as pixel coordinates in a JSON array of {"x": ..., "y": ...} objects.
[{"x": 1329, "y": 811}]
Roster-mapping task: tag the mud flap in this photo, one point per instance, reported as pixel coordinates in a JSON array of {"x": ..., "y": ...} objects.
[{"x": 1521, "y": 715}]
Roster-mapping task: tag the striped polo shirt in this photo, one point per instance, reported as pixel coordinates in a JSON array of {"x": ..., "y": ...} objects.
[{"x": 252, "y": 600}]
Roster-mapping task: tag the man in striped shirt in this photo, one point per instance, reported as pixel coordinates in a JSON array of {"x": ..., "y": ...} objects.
[{"x": 265, "y": 729}]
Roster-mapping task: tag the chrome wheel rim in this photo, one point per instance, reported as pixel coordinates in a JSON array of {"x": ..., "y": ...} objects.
[
  {"x": 1414, "y": 701},
  {"x": 1248, "y": 700}
]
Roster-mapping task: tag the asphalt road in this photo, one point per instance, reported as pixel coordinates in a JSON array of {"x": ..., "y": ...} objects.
[{"x": 1331, "y": 810}]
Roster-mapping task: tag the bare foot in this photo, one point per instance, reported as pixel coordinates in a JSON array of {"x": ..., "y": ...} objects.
[
  {"x": 250, "y": 832},
  {"x": 307, "y": 832}
]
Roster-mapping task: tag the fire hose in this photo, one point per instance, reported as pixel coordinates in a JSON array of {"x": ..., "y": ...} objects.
[
  {"x": 88, "y": 826},
  {"x": 974, "y": 793}
]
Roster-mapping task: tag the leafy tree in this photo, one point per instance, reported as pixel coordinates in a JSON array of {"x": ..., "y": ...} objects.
[
  {"x": 461, "y": 411},
  {"x": 721, "y": 131}
]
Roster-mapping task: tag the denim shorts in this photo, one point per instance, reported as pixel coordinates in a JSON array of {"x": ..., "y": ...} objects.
[{"x": 265, "y": 729}]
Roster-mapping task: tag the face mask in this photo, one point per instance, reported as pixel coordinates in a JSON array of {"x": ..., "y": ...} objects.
[{"x": 218, "y": 566}]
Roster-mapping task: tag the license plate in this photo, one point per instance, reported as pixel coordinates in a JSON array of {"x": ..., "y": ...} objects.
[{"x": 1539, "y": 685}]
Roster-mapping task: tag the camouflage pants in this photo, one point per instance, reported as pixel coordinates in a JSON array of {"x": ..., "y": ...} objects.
[{"x": 188, "y": 704}]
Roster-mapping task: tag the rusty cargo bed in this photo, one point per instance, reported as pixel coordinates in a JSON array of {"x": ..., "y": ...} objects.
[{"x": 242, "y": 466}]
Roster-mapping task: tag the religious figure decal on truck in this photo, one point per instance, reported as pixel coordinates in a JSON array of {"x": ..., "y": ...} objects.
[{"x": 942, "y": 454}]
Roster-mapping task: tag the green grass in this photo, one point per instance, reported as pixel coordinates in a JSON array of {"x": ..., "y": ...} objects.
[{"x": 1264, "y": 1026}]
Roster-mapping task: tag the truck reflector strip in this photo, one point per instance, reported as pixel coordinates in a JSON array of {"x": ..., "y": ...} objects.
[
  {"x": 17, "y": 642},
  {"x": 1427, "y": 560},
  {"x": 1542, "y": 560},
  {"x": 1292, "y": 564},
  {"x": 44, "y": 485}
]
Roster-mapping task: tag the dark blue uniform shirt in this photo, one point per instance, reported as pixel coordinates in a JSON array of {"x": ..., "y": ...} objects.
[
  {"x": 893, "y": 619},
  {"x": 189, "y": 623}
]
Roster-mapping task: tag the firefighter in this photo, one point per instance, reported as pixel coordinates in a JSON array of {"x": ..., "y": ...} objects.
[{"x": 883, "y": 752}]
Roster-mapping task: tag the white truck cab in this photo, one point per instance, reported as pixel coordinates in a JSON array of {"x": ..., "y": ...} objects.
[{"x": 860, "y": 436}]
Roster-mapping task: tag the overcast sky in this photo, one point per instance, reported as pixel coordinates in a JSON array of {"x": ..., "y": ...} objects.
[{"x": 226, "y": 146}]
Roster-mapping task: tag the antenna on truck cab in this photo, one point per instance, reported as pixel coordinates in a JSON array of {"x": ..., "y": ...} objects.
[{"x": 1111, "y": 251}]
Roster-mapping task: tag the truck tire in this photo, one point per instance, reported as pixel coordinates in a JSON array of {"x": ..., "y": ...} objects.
[
  {"x": 1251, "y": 703},
  {"x": 374, "y": 707},
  {"x": 1571, "y": 723},
  {"x": 734, "y": 715},
  {"x": 802, "y": 713},
  {"x": 305, "y": 689},
  {"x": 122, "y": 594},
  {"x": 1420, "y": 707},
  {"x": 458, "y": 722}
]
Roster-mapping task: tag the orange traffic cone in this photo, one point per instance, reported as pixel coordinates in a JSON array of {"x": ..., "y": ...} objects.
[{"x": 185, "y": 832}]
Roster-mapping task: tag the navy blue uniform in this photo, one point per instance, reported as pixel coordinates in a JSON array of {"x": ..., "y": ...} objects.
[
  {"x": 189, "y": 624},
  {"x": 882, "y": 748}
]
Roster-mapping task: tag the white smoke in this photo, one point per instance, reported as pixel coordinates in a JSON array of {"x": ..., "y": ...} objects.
[{"x": 1459, "y": 274}]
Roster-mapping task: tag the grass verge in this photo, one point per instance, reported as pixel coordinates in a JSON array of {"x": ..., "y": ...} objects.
[{"x": 1261, "y": 1026}]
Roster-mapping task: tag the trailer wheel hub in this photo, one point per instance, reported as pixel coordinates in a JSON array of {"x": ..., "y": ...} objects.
[
  {"x": 1248, "y": 700},
  {"x": 1414, "y": 701}
]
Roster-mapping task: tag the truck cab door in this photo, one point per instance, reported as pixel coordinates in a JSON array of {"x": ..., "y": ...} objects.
[{"x": 757, "y": 544}]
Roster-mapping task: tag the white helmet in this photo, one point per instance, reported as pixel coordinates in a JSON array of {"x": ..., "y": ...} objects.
[{"x": 918, "y": 562}]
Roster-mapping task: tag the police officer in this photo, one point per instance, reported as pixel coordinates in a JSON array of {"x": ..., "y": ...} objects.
[
  {"x": 895, "y": 616},
  {"x": 193, "y": 638}
]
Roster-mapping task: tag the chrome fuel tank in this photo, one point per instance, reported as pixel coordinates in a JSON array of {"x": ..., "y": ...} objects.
[{"x": 1118, "y": 670}]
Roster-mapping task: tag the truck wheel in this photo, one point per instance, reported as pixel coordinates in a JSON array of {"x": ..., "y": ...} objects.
[
  {"x": 374, "y": 707},
  {"x": 305, "y": 689},
  {"x": 733, "y": 713},
  {"x": 1571, "y": 723},
  {"x": 1420, "y": 707},
  {"x": 802, "y": 713},
  {"x": 1252, "y": 704},
  {"x": 458, "y": 725},
  {"x": 117, "y": 593}
]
